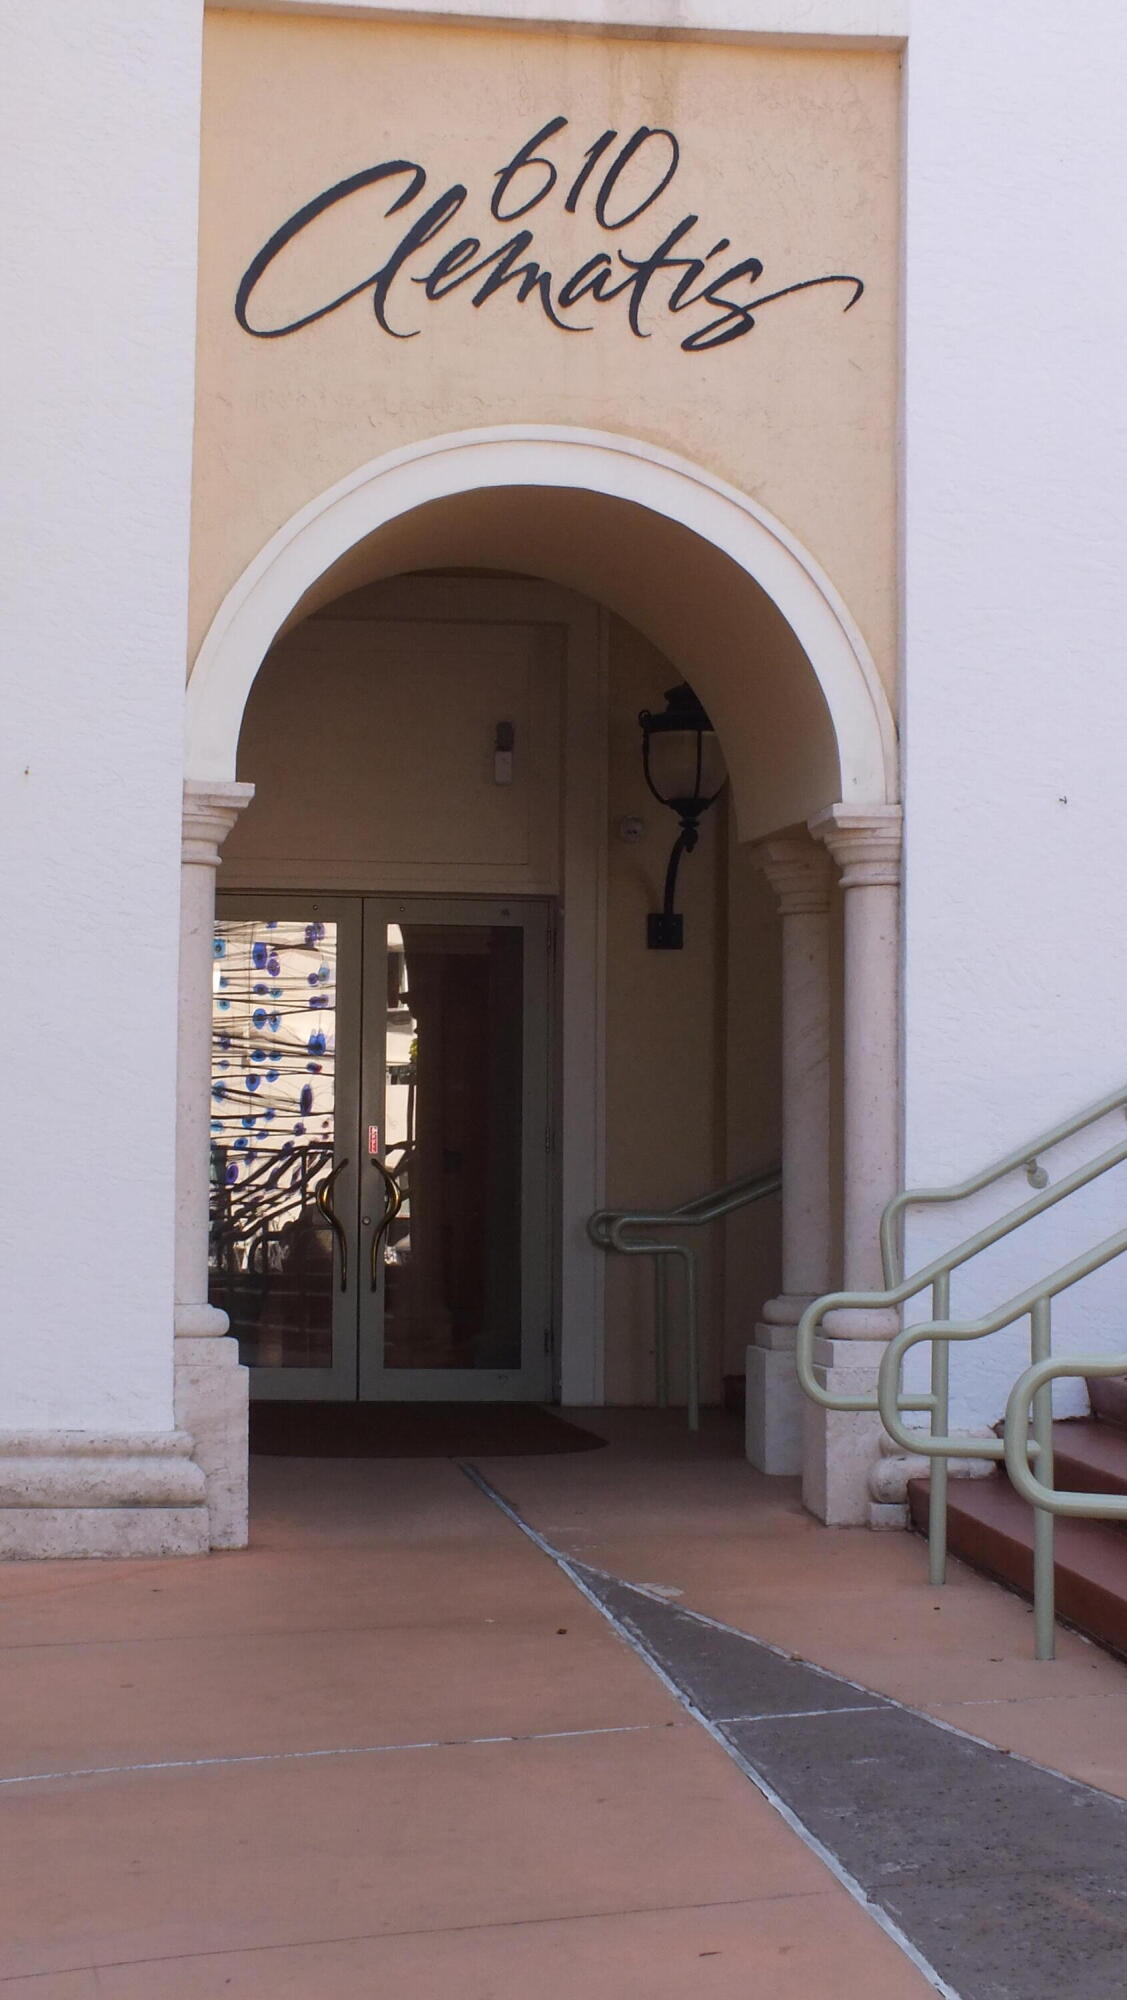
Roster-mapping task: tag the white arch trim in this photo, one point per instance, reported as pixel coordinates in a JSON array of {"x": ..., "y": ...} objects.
[{"x": 527, "y": 455}]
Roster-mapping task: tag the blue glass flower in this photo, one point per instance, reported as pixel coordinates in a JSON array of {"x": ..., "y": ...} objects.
[
  {"x": 273, "y": 965},
  {"x": 259, "y": 1017},
  {"x": 241, "y": 1143},
  {"x": 274, "y": 1022},
  {"x": 248, "y": 1123},
  {"x": 232, "y": 1174},
  {"x": 306, "y": 1100},
  {"x": 275, "y": 993},
  {"x": 224, "y": 1006},
  {"x": 258, "y": 989},
  {"x": 299, "y": 1128},
  {"x": 316, "y": 1044},
  {"x": 272, "y": 1075},
  {"x": 219, "y": 1090},
  {"x": 314, "y": 1068},
  {"x": 224, "y": 1041},
  {"x": 219, "y": 947},
  {"x": 252, "y": 1082},
  {"x": 259, "y": 954}
]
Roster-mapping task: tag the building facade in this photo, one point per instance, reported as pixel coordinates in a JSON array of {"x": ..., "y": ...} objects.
[{"x": 406, "y": 399}]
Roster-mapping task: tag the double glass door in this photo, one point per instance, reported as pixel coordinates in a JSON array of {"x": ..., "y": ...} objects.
[{"x": 380, "y": 1223}]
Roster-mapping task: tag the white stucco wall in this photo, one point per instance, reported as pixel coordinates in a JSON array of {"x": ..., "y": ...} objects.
[
  {"x": 1015, "y": 598},
  {"x": 1015, "y": 495},
  {"x": 102, "y": 116}
]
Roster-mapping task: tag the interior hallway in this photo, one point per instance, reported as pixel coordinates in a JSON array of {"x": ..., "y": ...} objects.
[{"x": 392, "y": 1748}]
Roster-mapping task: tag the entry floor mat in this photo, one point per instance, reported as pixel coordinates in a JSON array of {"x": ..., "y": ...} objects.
[
  {"x": 413, "y": 1430},
  {"x": 1000, "y": 1879}
]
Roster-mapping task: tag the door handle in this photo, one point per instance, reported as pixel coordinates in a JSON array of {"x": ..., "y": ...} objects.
[
  {"x": 393, "y": 1202},
  {"x": 323, "y": 1195}
]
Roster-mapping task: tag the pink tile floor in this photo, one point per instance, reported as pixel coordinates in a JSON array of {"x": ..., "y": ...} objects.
[{"x": 389, "y": 1750}]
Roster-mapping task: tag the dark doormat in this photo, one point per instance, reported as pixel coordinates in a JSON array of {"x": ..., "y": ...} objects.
[{"x": 413, "y": 1430}]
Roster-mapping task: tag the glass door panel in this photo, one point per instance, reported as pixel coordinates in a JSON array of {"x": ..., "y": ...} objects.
[
  {"x": 455, "y": 1091},
  {"x": 285, "y": 1023}
]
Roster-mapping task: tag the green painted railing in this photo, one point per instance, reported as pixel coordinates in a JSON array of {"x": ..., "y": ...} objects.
[
  {"x": 1034, "y": 1304},
  {"x": 627, "y": 1231},
  {"x": 890, "y": 1401},
  {"x": 1034, "y": 1389},
  {"x": 1027, "y": 1156}
]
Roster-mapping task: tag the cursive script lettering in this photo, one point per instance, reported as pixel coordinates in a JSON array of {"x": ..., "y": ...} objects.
[{"x": 609, "y": 180}]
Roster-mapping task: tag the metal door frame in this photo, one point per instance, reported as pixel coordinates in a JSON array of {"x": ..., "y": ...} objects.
[{"x": 360, "y": 1071}]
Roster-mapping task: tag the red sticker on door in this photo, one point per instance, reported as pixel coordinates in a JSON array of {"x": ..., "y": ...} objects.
[{"x": 373, "y": 1142}]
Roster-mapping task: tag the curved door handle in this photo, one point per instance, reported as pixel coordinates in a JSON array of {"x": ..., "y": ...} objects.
[
  {"x": 393, "y": 1202},
  {"x": 323, "y": 1195}
]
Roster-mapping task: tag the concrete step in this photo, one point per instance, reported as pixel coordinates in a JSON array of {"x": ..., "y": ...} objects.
[{"x": 990, "y": 1528}]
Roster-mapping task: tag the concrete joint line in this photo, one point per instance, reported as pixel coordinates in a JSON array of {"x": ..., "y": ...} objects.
[
  {"x": 798, "y": 1714},
  {"x": 342, "y": 1750}
]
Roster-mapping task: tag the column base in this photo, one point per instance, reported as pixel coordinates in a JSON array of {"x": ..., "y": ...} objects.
[
  {"x": 841, "y": 1447},
  {"x": 82, "y": 1493},
  {"x": 877, "y": 1323},
  {"x": 200, "y": 1322},
  {"x": 212, "y": 1398},
  {"x": 773, "y": 1426}
]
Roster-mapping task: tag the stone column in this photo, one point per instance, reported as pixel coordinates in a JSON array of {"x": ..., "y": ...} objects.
[
  {"x": 841, "y": 1449},
  {"x": 211, "y": 1387},
  {"x": 799, "y": 873}
]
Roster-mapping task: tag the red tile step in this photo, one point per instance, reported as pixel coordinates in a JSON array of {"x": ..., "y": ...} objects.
[
  {"x": 991, "y": 1528},
  {"x": 1089, "y": 1456},
  {"x": 1108, "y": 1398}
]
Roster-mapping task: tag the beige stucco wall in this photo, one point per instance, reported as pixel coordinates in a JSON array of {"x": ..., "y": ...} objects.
[
  {"x": 665, "y": 1039},
  {"x": 791, "y": 155}
]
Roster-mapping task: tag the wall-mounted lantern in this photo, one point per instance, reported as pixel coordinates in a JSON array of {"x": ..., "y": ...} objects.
[{"x": 684, "y": 768}]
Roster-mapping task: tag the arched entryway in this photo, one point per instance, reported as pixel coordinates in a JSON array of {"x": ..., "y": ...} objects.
[{"x": 737, "y": 607}]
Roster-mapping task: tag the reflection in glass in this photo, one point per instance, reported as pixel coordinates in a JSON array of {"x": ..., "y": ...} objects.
[
  {"x": 452, "y": 1268},
  {"x": 273, "y": 1055}
]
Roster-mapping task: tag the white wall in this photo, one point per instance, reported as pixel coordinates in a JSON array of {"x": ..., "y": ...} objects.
[
  {"x": 1015, "y": 607},
  {"x": 1016, "y": 696},
  {"x": 101, "y": 131}
]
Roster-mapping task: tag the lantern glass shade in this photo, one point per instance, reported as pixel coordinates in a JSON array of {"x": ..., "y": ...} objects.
[{"x": 683, "y": 759}]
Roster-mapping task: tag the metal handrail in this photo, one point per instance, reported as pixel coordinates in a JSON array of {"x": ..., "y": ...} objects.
[
  {"x": 1034, "y": 1303},
  {"x": 890, "y": 1403},
  {"x": 1034, "y": 1387},
  {"x": 608, "y": 1228},
  {"x": 1027, "y": 1156}
]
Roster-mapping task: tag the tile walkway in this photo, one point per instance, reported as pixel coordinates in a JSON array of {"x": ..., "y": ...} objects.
[{"x": 390, "y": 1749}]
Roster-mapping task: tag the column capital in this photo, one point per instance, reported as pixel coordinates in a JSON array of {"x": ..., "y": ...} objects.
[
  {"x": 210, "y": 811},
  {"x": 798, "y": 871},
  {"x": 864, "y": 841}
]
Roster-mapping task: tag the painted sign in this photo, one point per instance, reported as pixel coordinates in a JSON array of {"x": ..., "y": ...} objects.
[{"x": 616, "y": 183}]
